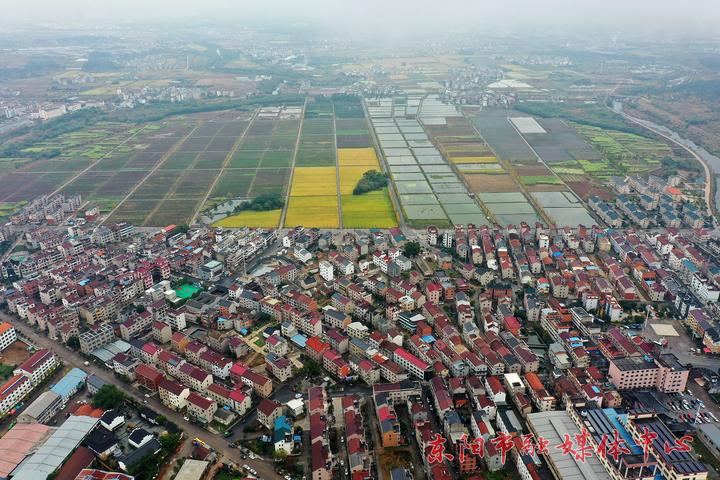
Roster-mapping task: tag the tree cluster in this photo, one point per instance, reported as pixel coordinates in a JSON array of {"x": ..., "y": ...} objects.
[
  {"x": 370, "y": 181},
  {"x": 261, "y": 203},
  {"x": 109, "y": 397}
]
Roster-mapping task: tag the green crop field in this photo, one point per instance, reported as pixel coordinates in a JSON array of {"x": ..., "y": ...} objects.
[
  {"x": 626, "y": 148},
  {"x": 541, "y": 180}
]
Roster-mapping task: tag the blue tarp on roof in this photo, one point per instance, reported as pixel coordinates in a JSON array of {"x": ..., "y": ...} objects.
[{"x": 70, "y": 383}]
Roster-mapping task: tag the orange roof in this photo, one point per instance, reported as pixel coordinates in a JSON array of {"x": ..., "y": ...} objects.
[
  {"x": 673, "y": 190},
  {"x": 84, "y": 411},
  {"x": 4, "y": 327},
  {"x": 97, "y": 413},
  {"x": 534, "y": 381}
]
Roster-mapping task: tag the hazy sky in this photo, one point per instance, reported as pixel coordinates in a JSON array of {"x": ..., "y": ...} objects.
[{"x": 690, "y": 16}]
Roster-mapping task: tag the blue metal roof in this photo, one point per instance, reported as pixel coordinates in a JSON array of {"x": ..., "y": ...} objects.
[
  {"x": 299, "y": 340},
  {"x": 69, "y": 383}
]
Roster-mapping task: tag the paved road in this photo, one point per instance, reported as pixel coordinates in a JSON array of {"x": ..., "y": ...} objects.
[{"x": 264, "y": 468}]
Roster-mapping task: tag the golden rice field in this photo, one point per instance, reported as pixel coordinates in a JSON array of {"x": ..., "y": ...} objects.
[
  {"x": 312, "y": 181},
  {"x": 370, "y": 210},
  {"x": 350, "y": 176},
  {"x": 353, "y": 163},
  {"x": 485, "y": 159},
  {"x": 251, "y": 218},
  {"x": 357, "y": 156},
  {"x": 313, "y": 211}
]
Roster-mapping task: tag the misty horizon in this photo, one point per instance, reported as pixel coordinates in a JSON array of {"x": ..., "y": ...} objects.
[{"x": 659, "y": 20}]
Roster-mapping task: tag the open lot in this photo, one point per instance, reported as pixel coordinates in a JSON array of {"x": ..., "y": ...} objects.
[{"x": 14, "y": 354}]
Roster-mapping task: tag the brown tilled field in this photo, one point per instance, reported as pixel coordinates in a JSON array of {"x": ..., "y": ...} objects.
[
  {"x": 534, "y": 170},
  {"x": 482, "y": 183},
  {"x": 15, "y": 354},
  {"x": 585, "y": 190}
]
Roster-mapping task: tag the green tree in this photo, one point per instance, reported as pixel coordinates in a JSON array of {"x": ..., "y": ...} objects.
[
  {"x": 279, "y": 455},
  {"x": 411, "y": 249},
  {"x": 371, "y": 180},
  {"x": 310, "y": 368},
  {"x": 109, "y": 397},
  {"x": 74, "y": 343}
]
